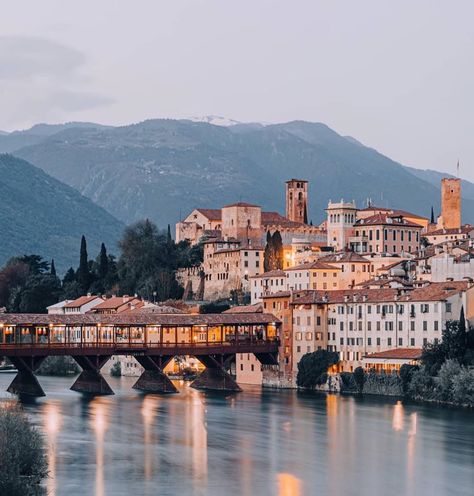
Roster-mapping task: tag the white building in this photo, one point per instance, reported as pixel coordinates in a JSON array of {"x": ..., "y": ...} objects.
[
  {"x": 82, "y": 304},
  {"x": 266, "y": 283},
  {"x": 358, "y": 322},
  {"x": 58, "y": 308}
]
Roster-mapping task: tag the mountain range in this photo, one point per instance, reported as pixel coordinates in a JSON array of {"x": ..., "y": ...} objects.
[{"x": 161, "y": 169}]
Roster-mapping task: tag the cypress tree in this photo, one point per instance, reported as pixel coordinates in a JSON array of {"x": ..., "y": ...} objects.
[
  {"x": 70, "y": 276},
  {"x": 267, "y": 255},
  {"x": 432, "y": 216},
  {"x": 83, "y": 275},
  {"x": 169, "y": 239},
  {"x": 277, "y": 247},
  {"x": 53, "y": 268},
  {"x": 103, "y": 262}
]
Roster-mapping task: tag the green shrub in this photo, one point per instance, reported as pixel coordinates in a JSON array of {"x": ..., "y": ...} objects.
[
  {"x": 384, "y": 384},
  {"x": 463, "y": 388},
  {"x": 445, "y": 381},
  {"x": 313, "y": 367},
  {"x": 22, "y": 457},
  {"x": 347, "y": 382},
  {"x": 116, "y": 369},
  {"x": 406, "y": 373},
  {"x": 58, "y": 365},
  {"x": 359, "y": 378},
  {"x": 421, "y": 385}
]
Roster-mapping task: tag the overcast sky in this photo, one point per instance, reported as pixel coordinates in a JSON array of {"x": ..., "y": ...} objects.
[{"x": 397, "y": 75}]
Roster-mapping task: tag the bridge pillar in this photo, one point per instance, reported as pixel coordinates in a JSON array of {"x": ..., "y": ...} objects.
[
  {"x": 153, "y": 379},
  {"x": 25, "y": 382},
  {"x": 91, "y": 381},
  {"x": 215, "y": 376}
]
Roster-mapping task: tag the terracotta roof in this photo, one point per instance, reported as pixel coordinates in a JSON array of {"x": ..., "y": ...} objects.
[
  {"x": 276, "y": 219},
  {"x": 404, "y": 213},
  {"x": 397, "y": 353},
  {"x": 344, "y": 257},
  {"x": 318, "y": 265},
  {"x": 392, "y": 265},
  {"x": 384, "y": 282},
  {"x": 137, "y": 319},
  {"x": 79, "y": 302},
  {"x": 210, "y": 213},
  {"x": 240, "y": 248},
  {"x": 436, "y": 291},
  {"x": 221, "y": 240},
  {"x": 155, "y": 309},
  {"x": 257, "y": 308},
  {"x": 116, "y": 302},
  {"x": 278, "y": 294},
  {"x": 462, "y": 230},
  {"x": 395, "y": 212},
  {"x": 388, "y": 220},
  {"x": 242, "y": 204},
  {"x": 270, "y": 273}
]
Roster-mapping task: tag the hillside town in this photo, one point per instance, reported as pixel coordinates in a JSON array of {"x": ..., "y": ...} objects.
[{"x": 373, "y": 284}]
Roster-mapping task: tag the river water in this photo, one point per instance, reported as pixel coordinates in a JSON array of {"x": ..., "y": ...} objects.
[{"x": 257, "y": 442}]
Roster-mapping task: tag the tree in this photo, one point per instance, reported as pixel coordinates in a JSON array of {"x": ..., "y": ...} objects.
[
  {"x": 27, "y": 285},
  {"x": 148, "y": 262},
  {"x": 359, "y": 378},
  {"x": 267, "y": 254},
  {"x": 432, "y": 220},
  {"x": 273, "y": 254},
  {"x": 313, "y": 367},
  {"x": 70, "y": 276},
  {"x": 453, "y": 346},
  {"x": 53, "y": 268},
  {"x": 83, "y": 274},
  {"x": 103, "y": 267},
  {"x": 39, "y": 292},
  {"x": 446, "y": 379},
  {"x": 277, "y": 245},
  {"x": 406, "y": 374}
]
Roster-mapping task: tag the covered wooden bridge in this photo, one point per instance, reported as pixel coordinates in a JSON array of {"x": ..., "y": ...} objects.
[{"x": 153, "y": 339}]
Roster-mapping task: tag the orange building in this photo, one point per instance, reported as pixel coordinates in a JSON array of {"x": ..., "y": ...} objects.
[{"x": 450, "y": 204}]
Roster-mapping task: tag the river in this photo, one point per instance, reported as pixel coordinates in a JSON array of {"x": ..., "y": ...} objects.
[{"x": 257, "y": 442}]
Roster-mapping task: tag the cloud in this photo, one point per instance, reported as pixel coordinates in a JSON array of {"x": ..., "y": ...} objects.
[{"x": 44, "y": 80}]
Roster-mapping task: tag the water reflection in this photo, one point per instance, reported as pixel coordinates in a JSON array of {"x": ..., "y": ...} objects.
[
  {"x": 397, "y": 421},
  {"x": 198, "y": 429},
  {"x": 288, "y": 485},
  {"x": 98, "y": 418},
  {"x": 255, "y": 443},
  {"x": 148, "y": 410},
  {"x": 52, "y": 425}
]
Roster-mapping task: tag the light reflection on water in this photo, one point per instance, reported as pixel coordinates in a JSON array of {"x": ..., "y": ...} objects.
[{"x": 256, "y": 442}]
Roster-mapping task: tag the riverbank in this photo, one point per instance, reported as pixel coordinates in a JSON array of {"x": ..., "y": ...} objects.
[{"x": 258, "y": 441}]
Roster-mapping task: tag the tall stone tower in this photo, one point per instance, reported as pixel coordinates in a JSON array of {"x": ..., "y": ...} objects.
[
  {"x": 297, "y": 200},
  {"x": 450, "y": 203}
]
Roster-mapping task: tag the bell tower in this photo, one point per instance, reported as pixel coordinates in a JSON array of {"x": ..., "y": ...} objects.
[
  {"x": 450, "y": 203},
  {"x": 297, "y": 200}
]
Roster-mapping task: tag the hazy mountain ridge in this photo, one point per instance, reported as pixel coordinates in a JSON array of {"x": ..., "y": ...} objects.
[
  {"x": 163, "y": 168},
  {"x": 39, "y": 214}
]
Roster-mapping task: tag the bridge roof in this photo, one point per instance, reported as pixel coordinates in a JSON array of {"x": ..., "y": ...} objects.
[{"x": 180, "y": 320}]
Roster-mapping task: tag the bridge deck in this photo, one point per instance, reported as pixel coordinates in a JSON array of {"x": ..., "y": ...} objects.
[{"x": 195, "y": 349}]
